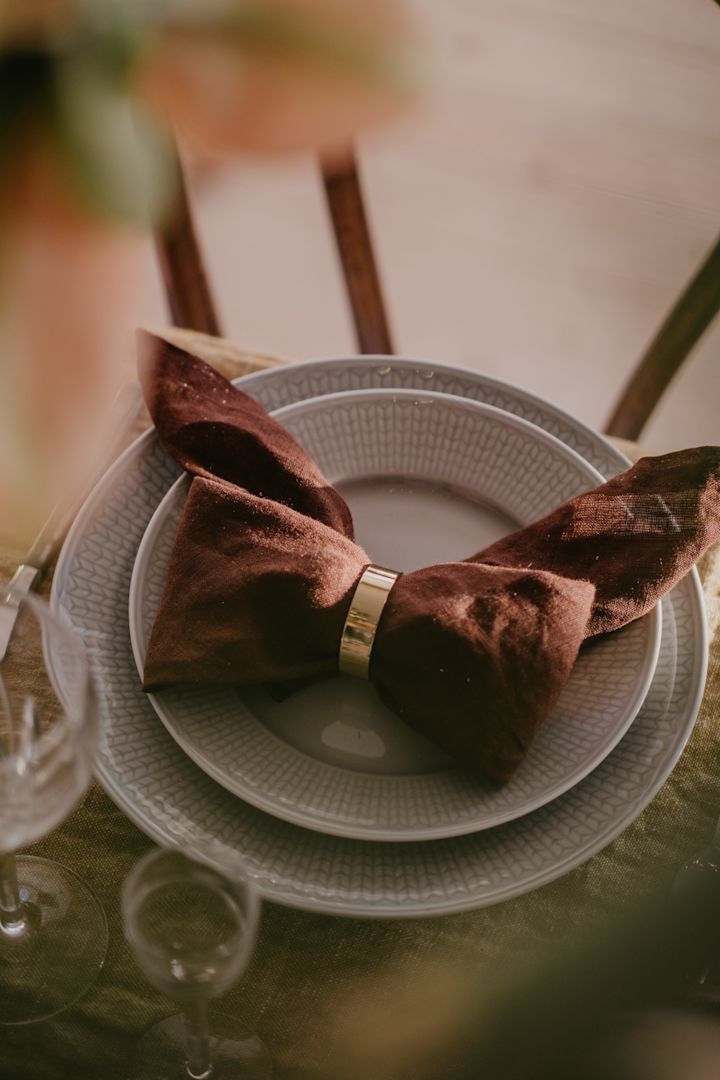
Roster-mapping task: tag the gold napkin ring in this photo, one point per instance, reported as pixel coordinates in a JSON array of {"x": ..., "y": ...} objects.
[{"x": 362, "y": 620}]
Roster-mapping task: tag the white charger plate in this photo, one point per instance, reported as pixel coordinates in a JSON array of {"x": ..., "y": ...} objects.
[
  {"x": 174, "y": 802},
  {"x": 429, "y": 478}
]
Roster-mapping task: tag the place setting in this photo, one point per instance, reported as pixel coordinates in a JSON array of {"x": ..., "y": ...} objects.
[
  {"x": 536, "y": 654},
  {"x": 360, "y": 622}
]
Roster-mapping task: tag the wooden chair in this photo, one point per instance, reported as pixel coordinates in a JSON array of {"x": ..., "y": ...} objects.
[{"x": 192, "y": 307}]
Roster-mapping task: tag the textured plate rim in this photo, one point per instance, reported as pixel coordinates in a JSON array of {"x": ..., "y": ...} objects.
[
  {"x": 359, "y": 907},
  {"x": 254, "y": 794}
]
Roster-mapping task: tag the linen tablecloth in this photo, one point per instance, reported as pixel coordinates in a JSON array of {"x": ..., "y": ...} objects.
[{"x": 318, "y": 986}]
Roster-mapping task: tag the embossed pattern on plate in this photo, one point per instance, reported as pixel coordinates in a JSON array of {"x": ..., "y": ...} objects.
[
  {"x": 496, "y": 459},
  {"x": 157, "y": 785}
]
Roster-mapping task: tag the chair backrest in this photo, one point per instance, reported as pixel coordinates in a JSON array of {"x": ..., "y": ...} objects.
[
  {"x": 682, "y": 328},
  {"x": 181, "y": 264},
  {"x": 186, "y": 282},
  {"x": 355, "y": 248},
  {"x": 191, "y": 304}
]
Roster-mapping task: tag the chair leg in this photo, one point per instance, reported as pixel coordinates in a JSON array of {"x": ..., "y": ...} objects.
[
  {"x": 354, "y": 244},
  {"x": 682, "y": 329},
  {"x": 182, "y": 267}
]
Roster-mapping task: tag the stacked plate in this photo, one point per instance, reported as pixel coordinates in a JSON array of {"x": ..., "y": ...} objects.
[{"x": 333, "y": 803}]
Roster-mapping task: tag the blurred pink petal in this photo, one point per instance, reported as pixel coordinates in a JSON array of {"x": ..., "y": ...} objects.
[
  {"x": 226, "y": 94},
  {"x": 67, "y": 290},
  {"x": 21, "y": 20}
]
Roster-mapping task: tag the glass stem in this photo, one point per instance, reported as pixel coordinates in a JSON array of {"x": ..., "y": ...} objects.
[
  {"x": 197, "y": 1041},
  {"x": 13, "y": 923}
]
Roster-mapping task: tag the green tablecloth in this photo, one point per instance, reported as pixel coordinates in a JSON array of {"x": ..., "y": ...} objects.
[{"x": 318, "y": 985}]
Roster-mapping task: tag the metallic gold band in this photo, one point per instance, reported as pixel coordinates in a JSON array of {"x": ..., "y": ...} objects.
[{"x": 362, "y": 620}]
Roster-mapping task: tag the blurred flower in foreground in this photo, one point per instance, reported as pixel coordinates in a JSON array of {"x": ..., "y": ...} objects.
[
  {"x": 88, "y": 91},
  {"x": 68, "y": 285},
  {"x": 606, "y": 998},
  {"x": 33, "y": 20},
  {"x": 280, "y": 75}
]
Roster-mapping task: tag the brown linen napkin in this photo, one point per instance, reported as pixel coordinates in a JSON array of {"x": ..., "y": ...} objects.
[{"x": 472, "y": 654}]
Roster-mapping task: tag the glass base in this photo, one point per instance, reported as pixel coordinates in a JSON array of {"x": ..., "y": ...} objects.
[
  {"x": 53, "y": 959},
  {"x": 235, "y": 1052}
]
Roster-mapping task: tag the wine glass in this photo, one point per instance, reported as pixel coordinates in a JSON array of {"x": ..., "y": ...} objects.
[
  {"x": 192, "y": 930},
  {"x": 53, "y": 932}
]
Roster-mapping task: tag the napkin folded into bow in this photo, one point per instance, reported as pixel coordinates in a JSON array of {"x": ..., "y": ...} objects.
[{"x": 472, "y": 654}]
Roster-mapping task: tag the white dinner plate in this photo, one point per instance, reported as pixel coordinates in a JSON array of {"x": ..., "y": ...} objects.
[
  {"x": 429, "y": 478},
  {"x": 163, "y": 791}
]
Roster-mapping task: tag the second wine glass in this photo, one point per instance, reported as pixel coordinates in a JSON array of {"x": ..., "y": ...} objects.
[{"x": 192, "y": 930}]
